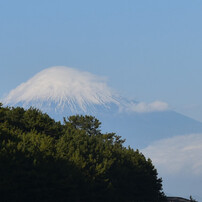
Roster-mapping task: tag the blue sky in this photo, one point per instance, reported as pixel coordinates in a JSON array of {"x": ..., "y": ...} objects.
[{"x": 148, "y": 50}]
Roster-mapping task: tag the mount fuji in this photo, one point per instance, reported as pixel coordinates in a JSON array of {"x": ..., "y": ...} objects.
[
  {"x": 63, "y": 91},
  {"x": 173, "y": 141}
]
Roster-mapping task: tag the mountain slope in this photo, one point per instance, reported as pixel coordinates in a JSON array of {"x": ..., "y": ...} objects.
[
  {"x": 140, "y": 130},
  {"x": 64, "y": 91}
]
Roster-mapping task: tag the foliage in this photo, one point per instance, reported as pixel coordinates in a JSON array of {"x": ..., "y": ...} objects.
[{"x": 44, "y": 160}]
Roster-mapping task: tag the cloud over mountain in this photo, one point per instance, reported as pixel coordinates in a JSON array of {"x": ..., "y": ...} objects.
[
  {"x": 143, "y": 107},
  {"x": 64, "y": 88}
]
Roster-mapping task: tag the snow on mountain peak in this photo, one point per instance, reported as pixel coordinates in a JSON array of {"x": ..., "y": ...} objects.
[{"x": 63, "y": 86}]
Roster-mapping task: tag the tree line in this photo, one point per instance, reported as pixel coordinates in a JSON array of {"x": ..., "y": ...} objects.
[{"x": 45, "y": 160}]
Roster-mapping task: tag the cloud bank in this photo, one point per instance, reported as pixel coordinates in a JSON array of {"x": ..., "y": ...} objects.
[
  {"x": 143, "y": 107},
  {"x": 177, "y": 155},
  {"x": 179, "y": 162}
]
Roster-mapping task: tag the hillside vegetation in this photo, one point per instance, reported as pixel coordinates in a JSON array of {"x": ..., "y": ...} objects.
[{"x": 45, "y": 160}]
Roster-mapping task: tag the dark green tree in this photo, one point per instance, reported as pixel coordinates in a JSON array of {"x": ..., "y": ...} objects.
[
  {"x": 44, "y": 160},
  {"x": 89, "y": 124}
]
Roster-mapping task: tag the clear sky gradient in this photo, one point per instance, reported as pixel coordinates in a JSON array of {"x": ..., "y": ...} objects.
[{"x": 148, "y": 50}]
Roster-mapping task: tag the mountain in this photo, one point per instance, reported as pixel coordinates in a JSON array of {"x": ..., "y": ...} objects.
[
  {"x": 173, "y": 141},
  {"x": 63, "y": 88},
  {"x": 140, "y": 130},
  {"x": 64, "y": 91}
]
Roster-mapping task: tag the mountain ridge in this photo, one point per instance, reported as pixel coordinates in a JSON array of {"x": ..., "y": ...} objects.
[{"x": 63, "y": 91}]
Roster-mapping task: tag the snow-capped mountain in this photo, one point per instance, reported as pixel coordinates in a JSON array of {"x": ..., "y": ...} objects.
[
  {"x": 168, "y": 137},
  {"x": 64, "y": 91}
]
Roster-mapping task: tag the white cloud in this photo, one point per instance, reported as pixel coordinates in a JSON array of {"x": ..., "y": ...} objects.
[
  {"x": 64, "y": 86},
  {"x": 177, "y": 155},
  {"x": 73, "y": 89},
  {"x": 143, "y": 107},
  {"x": 179, "y": 162}
]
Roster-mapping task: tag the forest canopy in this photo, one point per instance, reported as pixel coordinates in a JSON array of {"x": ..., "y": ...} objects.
[{"x": 45, "y": 160}]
